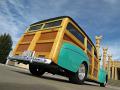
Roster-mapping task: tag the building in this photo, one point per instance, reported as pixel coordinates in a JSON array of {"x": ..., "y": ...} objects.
[{"x": 113, "y": 69}]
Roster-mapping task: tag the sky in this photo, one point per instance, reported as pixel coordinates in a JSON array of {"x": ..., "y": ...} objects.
[{"x": 95, "y": 17}]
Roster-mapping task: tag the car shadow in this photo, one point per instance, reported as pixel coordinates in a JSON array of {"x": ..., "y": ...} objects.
[
  {"x": 44, "y": 77},
  {"x": 52, "y": 78}
]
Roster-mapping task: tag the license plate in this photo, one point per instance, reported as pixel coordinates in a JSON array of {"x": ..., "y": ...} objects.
[{"x": 28, "y": 53}]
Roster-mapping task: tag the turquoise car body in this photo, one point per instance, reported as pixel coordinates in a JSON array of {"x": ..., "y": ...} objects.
[{"x": 102, "y": 75}]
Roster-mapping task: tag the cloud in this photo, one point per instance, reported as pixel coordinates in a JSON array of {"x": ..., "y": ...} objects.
[
  {"x": 7, "y": 25},
  {"x": 111, "y": 1},
  {"x": 13, "y": 21}
]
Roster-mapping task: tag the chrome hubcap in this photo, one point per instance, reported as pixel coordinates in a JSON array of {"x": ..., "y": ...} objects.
[
  {"x": 81, "y": 72},
  {"x": 105, "y": 82}
]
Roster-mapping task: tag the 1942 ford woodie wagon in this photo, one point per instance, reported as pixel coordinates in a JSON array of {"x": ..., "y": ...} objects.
[{"x": 60, "y": 46}]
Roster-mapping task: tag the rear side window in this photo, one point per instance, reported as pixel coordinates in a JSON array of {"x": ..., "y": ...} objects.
[
  {"x": 52, "y": 24},
  {"x": 89, "y": 46},
  {"x": 36, "y": 27},
  {"x": 75, "y": 32}
]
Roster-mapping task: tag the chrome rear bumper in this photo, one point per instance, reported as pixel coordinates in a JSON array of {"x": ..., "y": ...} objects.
[{"x": 28, "y": 59}]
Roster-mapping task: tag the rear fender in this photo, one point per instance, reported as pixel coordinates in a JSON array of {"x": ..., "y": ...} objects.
[
  {"x": 102, "y": 76},
  {"x": 71, "y": 56}
]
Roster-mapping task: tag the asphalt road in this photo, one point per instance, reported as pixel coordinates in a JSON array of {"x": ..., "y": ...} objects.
[{"x": 12, "y": 78}]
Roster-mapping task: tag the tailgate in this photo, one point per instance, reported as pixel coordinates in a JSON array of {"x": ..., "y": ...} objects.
[{"x": 41, "y": 42}]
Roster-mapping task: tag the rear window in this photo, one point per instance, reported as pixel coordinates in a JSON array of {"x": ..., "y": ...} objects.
[
  {"x": 36, "y": 27},
  {"x": 52, "y": 24}
]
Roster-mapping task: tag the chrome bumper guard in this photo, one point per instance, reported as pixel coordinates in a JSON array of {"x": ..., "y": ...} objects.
[{"x": 29, "y": 59}]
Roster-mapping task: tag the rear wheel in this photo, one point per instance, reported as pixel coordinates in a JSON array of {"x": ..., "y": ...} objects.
[
  {"x": 36, "y": 70},
  {"x": 80, "y": 76},
  {"x": 103, "y": 84}
]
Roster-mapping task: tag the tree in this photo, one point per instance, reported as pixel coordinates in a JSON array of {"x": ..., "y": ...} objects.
[{"x": 5, "y": 47}]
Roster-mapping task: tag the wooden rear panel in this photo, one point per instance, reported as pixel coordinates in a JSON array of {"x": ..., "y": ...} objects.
[
  {"x": 22, "y": 47},
  {"x": 45, "y": 43},
  {"x": 48, "y": 35},
  {"x": 28, "y": 38},
  {"x": 43, "y": 47}
]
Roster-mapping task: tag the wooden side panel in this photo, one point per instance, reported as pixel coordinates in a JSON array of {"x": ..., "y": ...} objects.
[
  {"x": 95, "y": 63},
  {"x": 95, "y": 67},
  {"x": 90, "y": 66},
  {"x": 90, "y": 69},
  {"x": 90, "y": 58},
  {"x": 95, "y": 73},
  {"x": 67, "y": 38}
]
